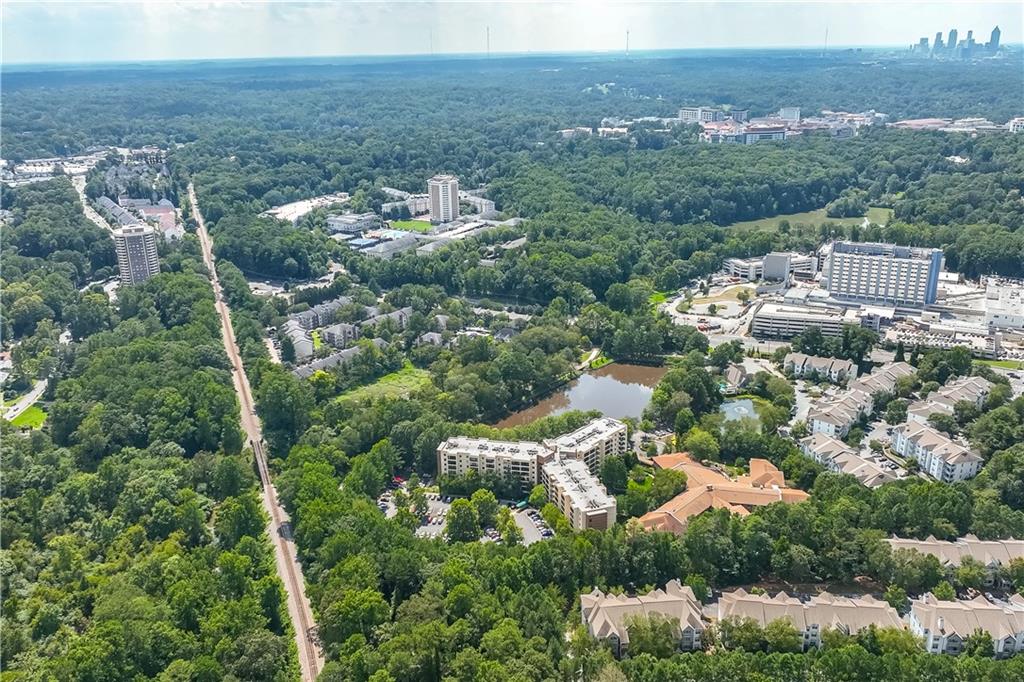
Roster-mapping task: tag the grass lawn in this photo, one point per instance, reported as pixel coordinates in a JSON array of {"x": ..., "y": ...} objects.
[
  {"x": 600, "y": 361},
  {"x": 875, "y": 215},
  {"x": 658, "y": 297},
  {"x": 397, "y": 384},
  {"x": 411, "y": 225},
  {"x": 317, "y": 343},
  {"x": 1005, "y": 364},
  {"x": 33, "y": 418},
  {"x": 730, "y": 294}
]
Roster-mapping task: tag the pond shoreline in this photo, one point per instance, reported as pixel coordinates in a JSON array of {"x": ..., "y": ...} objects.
[{"x": 616, "y": 390}]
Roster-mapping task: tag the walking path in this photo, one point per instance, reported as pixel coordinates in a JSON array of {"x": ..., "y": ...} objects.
[{"x": 288, "y": 567}]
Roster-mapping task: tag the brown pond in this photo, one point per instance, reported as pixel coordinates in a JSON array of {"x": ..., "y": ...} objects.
[{"x": 616, "y": 390}]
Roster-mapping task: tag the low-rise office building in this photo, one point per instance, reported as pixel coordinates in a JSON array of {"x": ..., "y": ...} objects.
[
  {"x": 944, "y": 626},
  {"x": 516, "y": 460},
  {"x": 994, "y": 555},
  {"x": 352, "y": 223},
  {"x": 834, "y": 369},
  {"x": 708, "y": 488},
  {"x": 774, "y": 266},
  {"x": 593, "y": 442},
  {"x": 607, "y": 616},
  {"x": 812, "y": 617},
  {"x": 578, "y": 494},
  {"x": 941, "y": 458}
]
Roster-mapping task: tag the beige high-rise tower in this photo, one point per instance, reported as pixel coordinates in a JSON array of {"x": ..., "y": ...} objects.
[{"x": 444, "y": 198}]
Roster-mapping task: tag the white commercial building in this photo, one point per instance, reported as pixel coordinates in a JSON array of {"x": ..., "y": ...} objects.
[
  {"x": 137, "y": 257},
  {"x": 444, "y": 198},
  {"x": 1004, "y": 304},
  {"x": 352, "y": 223},
  {"x": 778, "y": 265},
  {"x": 944, "y": 626},
  {"x": 775, "y": 321},
  {"x": 516, "y": 460},
  {"x": 883, "y": 273},
  {"x": 941, "y": 458},
  {"x": 812, "y": 617},
  {"x": 593, "y": 442},
  {"x": 578, "y": 494}
]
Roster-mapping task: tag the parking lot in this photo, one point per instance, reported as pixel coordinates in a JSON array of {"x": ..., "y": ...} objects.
[{"x": 533, "y": 527}]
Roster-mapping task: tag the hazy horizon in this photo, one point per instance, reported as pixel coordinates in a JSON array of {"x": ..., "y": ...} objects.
[{"x": 155, "y": 31}]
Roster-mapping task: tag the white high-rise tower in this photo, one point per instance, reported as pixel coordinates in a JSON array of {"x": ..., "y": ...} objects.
[{"x": 444, "y": 198}]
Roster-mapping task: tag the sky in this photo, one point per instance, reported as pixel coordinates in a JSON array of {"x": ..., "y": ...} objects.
[{"x": 41, "y": 31}]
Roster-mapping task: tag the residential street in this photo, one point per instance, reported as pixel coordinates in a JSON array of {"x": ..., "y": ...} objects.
[{"x": 288, "y": 567}]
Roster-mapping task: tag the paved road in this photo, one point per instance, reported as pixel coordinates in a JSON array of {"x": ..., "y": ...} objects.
[
  {"x": 288, "y": 567},
  {"x": 79, "y": 182},
  {"x": 25, "y": 401}
]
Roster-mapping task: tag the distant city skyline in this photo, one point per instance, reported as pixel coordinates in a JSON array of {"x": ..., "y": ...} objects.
[{"x": 48, "y": 31}]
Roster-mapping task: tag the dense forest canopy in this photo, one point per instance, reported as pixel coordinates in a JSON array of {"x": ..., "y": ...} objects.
[{"x": 133, "y": 542}]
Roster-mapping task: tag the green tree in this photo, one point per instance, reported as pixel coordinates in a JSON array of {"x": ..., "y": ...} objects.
[
  {"x": 463, "y": 524},
  {"x": 655, "y": 634},
  {"x": 486, "y": 506},
  {"x": 944, "y": 591}
]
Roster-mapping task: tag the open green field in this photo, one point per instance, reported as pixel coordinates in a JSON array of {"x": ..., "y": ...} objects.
[
  {"x": 32, "y": 418},
  {"x": 730, "y": 294},
  {"x": 658, "y": 297},
  {"x": 1005, "y": 364},
  {"x": 411, "y": 225},
  {"x": 397, "y": 384},
  {"x": 875, "y": 215}
]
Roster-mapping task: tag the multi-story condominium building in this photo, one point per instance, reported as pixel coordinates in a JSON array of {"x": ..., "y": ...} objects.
[
  {"x": 301, "y": 340},
  {"x": 883, "y": 379},
  {"x": 883, "y": 273},
  {"x": 709, "y": 488},
  {"x": 974, "y": 390},
  {"x": 578, "y": 494},
  {"x": 340, "y": 359},
  {"x": 837, "y": 456},
  {"x": 515, "y": 460},
  {"x": 811, "y": 617},
  {"x": 340, "y": 335},
  {"x": 607, "y": 616},
  {"x": 774, "y": 266},
  {"x": 444, "y": 198},
  {"x": 944, "y": 626},
  {"x": 835, "y": 416},
  {"x": 592, "y": 443},
  {"x": 137, "y": 258},
  {"x": 351, "y": 223},
  {"x": 321, "y": 314},
  {"x": 994, "y": 555},
  {"x": 833, "y": 369},
  {"x": 941, "y": 458},
  {"x": 775, "y": 321}
]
